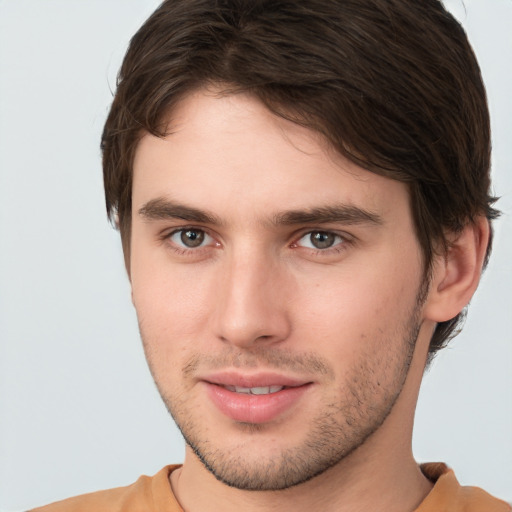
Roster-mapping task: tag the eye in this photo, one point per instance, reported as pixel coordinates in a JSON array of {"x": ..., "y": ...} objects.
[
  {"x": 190, "y": 238},
  {"x": 320, "y": 240}
]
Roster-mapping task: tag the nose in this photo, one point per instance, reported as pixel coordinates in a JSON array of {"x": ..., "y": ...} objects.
[{"x": 252, "y": 307}]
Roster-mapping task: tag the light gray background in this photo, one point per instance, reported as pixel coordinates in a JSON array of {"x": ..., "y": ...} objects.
[{"x": 78, "y": 409}]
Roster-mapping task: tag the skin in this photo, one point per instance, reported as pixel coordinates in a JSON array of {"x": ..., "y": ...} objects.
[{"x": 251, "y": 294}]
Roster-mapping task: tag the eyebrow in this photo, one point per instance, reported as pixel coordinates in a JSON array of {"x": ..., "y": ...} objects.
[
  {"x": 346, "y": 214},
  {"x": 162, "y": 208}
]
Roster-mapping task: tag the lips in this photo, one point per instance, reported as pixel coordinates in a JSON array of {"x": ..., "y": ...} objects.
[{"x": 254, "y": 399}]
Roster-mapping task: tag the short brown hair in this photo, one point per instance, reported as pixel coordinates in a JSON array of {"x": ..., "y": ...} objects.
[{"x": 392, "y": 84}]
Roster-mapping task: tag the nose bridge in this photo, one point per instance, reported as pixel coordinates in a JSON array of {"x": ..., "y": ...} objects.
[{"x": 251, "y": 307}]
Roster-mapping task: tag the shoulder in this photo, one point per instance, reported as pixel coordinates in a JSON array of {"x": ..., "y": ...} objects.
[
  {"x": 447, "y": 494},
  {"x": 147, "y": 493}
]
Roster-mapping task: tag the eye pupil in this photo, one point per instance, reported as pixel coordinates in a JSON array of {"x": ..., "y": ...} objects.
[
  {"x": 192, "y": 238},
  {"x": 322, "y": 240}
]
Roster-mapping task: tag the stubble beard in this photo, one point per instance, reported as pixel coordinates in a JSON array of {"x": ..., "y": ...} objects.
[{"x": 342, "y": 426}]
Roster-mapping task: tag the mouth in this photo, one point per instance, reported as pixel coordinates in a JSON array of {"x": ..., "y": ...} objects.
[{"x": 255, "y": 399}]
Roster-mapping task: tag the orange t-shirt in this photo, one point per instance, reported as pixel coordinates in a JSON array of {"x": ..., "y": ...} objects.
[
  {"x": 154, "y": 494},
  {"x": 448, "y": 495},
  {"x": 147, "y": 494}
]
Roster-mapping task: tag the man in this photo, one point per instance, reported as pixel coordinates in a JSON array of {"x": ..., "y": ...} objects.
[{"x": 302, "y": 191}]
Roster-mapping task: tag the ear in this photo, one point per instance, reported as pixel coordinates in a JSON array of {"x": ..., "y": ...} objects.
[{"x": 456, "y": 273}]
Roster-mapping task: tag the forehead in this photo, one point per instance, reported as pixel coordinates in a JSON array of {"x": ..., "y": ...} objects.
[{"x": 231, "y": 152}]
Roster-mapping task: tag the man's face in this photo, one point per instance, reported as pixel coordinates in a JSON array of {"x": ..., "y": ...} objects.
[{"x": 277, "y": 290}]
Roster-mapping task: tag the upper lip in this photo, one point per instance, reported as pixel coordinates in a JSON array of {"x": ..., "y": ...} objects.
[{"x": 262, "y": 379}]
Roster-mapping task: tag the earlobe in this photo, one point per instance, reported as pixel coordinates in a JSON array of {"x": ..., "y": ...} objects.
[{"x": 456, "y": 274}]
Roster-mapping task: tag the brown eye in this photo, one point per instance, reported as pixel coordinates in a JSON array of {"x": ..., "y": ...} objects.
[
  {"x": 322, "y": 239},
  {"x": 192, "y": 237}
]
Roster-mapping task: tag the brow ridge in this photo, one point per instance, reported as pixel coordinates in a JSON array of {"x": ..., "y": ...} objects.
[
  {"x": 346, "y": 214},
  {"x": 162, "y": 208}
]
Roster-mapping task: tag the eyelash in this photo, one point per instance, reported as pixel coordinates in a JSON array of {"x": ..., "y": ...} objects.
[
  {"x": 343, "y": 242},
  {"x": 183, "y": 250}
]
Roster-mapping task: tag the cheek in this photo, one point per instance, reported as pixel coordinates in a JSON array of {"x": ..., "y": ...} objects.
[
  {"x": 171, "y": 304},
  {"x": 366, "y": 303},
  {"x": 171, "y": 322}
]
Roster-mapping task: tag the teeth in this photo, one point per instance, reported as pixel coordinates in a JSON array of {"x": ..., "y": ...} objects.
[{"x": 264, "y": 390}]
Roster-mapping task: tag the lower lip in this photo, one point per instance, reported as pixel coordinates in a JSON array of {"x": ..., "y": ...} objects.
[{"x": 246, "y": 408}]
